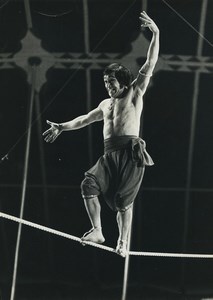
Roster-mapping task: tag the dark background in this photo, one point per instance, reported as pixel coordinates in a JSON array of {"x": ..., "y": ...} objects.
[{"x": 173, "y": 211}]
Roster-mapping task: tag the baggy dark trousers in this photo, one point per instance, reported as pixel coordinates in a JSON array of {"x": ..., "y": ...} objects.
[{"x": 118, "y": 174}]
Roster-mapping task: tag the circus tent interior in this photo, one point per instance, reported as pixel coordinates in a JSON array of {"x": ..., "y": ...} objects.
[{"x": 52, "y": 56}]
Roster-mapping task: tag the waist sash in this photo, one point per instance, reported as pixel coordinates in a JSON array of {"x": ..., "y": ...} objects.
[{"x": 136, "y": 145}]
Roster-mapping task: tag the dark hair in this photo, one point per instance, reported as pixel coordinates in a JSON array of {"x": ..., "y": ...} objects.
[{"x": 121, "y": 73}]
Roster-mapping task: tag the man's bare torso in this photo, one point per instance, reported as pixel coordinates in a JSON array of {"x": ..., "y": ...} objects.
[{"x": 122, "y": 115}]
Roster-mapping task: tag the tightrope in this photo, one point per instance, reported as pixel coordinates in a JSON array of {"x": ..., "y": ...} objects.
[
  {"x": 77, "y": 239},
  {"x": 54, "y": 231}
]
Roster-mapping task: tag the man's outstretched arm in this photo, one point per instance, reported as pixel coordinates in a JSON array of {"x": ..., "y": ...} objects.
[
  {"x": 57, "y": 128},
  {"x": 152, "y": 55}
]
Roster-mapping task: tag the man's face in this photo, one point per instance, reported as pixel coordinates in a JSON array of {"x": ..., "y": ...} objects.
[{"x": 112, "y": 86}]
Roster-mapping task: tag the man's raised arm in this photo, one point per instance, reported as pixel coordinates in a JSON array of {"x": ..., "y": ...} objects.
[
  {"x": 57, "y": 128},
  {"x": 152, "y": 55}
]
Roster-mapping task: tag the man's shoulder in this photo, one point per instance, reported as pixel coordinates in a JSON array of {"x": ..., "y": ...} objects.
[{"x": 104, "y": 103}]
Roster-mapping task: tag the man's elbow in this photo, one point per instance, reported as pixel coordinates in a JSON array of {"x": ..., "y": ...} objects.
[{"x": 83, "y": 121}]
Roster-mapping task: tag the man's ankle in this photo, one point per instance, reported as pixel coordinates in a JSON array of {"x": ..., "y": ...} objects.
[{"x": 99, "y": 228}]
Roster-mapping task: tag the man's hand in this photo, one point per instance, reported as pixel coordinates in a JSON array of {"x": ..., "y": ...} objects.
[
  {"x": 148, "y": 22},
  {"x": 53, "y": 132}
]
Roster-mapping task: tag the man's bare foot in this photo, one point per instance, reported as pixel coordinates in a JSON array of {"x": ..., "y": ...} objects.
[
  {"x": 121, "y": 248},
  {"x": 94, "y": 235}
]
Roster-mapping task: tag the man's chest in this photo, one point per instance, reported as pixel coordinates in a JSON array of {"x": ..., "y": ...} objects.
[{"x": 118, "y": 108}]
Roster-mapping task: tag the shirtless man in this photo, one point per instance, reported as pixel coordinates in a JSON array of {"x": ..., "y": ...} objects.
[{"x": 118, "y": 174}]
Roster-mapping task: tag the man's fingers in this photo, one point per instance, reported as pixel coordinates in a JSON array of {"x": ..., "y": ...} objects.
[
  {"x": 53, "y": 139},
  {"x": 47, "y": 138},
  {"x": 142, "y": 18},
  {"x": 145, "y": 20},
  {"x": 51, "y": 123},
  {"x": 47, "y": 131},
  {"x": 50, "y": 138},
  {"x": 145, "y": 23},
  {"x": 146, "y": 17},
  {"x": 143, "y": 13},
  {"x": 51, "y": 134}
]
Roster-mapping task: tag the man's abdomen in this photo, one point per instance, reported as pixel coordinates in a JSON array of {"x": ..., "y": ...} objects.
[{"x": 120, "y": 127}]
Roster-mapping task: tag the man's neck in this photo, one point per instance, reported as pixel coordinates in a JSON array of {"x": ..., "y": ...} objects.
[{"x": 122, "y": 94}]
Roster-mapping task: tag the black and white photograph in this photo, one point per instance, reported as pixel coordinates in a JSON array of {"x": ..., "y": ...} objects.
[{"x": 106, "y": 156}]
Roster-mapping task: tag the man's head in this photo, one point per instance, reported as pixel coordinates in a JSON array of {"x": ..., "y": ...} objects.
[
  {"x": 121, "y": 73},
  {"x": 117, "y": 78}
]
